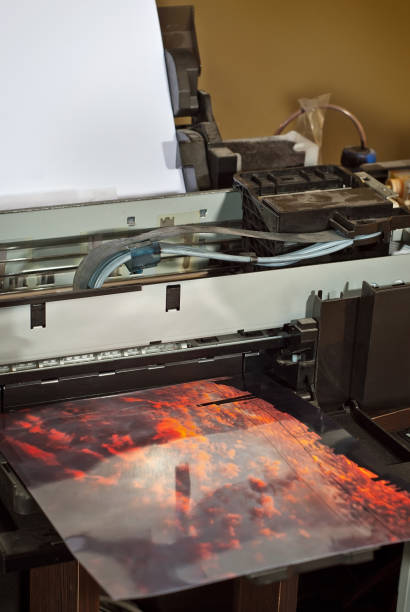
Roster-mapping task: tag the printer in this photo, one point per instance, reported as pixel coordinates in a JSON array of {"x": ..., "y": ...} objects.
[{"x": 269, "y": 263}]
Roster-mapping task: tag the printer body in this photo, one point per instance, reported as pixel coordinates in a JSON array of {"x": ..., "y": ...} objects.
[{"x": 332, "y": 328}]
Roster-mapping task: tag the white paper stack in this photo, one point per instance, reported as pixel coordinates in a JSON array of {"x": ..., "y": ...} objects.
[{"x": 85, "y": 112}]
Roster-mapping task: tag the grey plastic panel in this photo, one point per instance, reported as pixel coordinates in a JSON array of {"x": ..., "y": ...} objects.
[
  {"x": 209, "y": 307},
  {"x": 60, "y": 222}
]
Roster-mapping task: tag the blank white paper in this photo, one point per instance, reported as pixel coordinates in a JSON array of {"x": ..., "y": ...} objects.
[{"x": 85, "y": 111}]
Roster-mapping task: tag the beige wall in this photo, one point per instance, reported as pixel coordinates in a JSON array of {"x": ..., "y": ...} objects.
[{"x": 258, "y": 57}]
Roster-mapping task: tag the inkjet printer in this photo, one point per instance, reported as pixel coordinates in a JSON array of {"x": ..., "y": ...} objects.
[{"x": 299, "y": 271}]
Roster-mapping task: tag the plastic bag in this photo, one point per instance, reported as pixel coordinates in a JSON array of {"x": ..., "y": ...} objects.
[{"x": 310, "y": 123}]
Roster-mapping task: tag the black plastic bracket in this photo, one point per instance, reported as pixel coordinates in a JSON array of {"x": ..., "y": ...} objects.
[
  {"x": 173, "y": 298},
  {"x": 295, "y": 363},
  {"x": 37, "y": 315},
  {"x": 13, "y": 491},
  {"x": 182, "y": 58}
]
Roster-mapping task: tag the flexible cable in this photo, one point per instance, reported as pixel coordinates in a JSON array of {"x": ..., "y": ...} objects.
[
  {"x": 88, "y": 272},
  {"x": 117, "y": 259}
]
